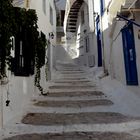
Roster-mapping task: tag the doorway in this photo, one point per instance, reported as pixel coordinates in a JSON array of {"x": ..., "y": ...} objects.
[
  {"x": 99, "y": 42},
  {"x": 129, "y": 55}
]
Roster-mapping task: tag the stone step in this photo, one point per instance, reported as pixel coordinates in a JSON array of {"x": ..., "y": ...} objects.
[
  {"x": 67, "y": 110},
  {"x": 50, "y": 119},
  {"x": 73, "y": 78},
  {"x": 74, "y": 104},
  {"x": 71, "y": 87},
  {"x": 71, "y": 72},
  {"x": 73, "y": 84},
  {"x": 69, "y": 98},
  {"x": 78, "y": 70},
  {"x": 76, "y": 136},
  {"x": 75, "y": 94},
  {"x": 72, "y": 81},
  {"x": 72, "y": 90}
]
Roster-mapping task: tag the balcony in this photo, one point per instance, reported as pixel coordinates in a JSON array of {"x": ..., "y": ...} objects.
[{"x": 122, "y": 6}]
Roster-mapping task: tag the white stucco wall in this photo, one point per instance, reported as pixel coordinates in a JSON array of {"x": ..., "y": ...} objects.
[
  {"x": 21, "y": 89},
  {"x": 44, "y": 19},
  {"x": 117, "y": 57},
  {"x": 112, "y": 52},
  {"x": 84, "y": 31}
]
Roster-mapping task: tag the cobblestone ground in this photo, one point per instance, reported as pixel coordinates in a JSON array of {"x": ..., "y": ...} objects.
[{"x": 74, "y": 109}]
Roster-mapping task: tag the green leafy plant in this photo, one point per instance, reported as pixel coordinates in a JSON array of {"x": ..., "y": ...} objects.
[
  {"x": 40, "y": 53},
  {"x": 12, "y": 20},
  {"x": 6, "y": 23}
]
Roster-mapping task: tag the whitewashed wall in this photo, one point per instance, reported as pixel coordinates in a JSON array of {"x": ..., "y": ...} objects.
[
  {"x": 114, "y": 53},
  {"x": 86, "y": 30},
  {"x": 44, "y": 19},
  {"x": 21, "y": 89}
]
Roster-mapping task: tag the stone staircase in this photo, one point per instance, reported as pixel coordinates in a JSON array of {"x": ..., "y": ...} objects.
[{"x": 74, "y": 109}]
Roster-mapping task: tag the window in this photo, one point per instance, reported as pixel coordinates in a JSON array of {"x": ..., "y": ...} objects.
[
  {"x": 62, "y": 16},
  {"x": 23, "y": 61},
  {"x": 87, "y": 44},
  {"x": 51, "y": 15},
  {"x": 44, "y": 6},
  {"x": 82, "y": 17},
  {"x": 102, "y": 6}
]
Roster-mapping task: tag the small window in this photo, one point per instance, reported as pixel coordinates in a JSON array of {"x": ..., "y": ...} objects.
[
  {"x": 51, "y": 15},
  {"x": 87, "y": 44},
  {"x": 62, "y": 17},
  {"x": 82, "y": 17},
  {"x": 102, "y": 6},
  {"x": 44, "y": 6},
  {"x": 23, "y": 61}
]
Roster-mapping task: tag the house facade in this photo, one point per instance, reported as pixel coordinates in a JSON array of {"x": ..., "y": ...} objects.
[
  {"x": 105, "y": 33},
  {"x": 18, "y": 90},
  {"x": 120, "y": 40}
]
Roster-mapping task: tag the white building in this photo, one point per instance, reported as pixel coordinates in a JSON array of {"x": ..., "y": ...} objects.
[
  {"x": 98, "y": 37},
  {"x": 19, "y": 90},
  {"x": 119, "y": 23},
  {"x": 79, "y": 31}
]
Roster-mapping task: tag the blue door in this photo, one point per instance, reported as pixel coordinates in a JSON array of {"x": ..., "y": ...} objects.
[
  {"x": 129, "y": 55},
  {"x": 99, "y": 44}
]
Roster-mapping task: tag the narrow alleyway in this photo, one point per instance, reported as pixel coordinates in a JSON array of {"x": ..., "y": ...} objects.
[{"x": 74, "y": 109}]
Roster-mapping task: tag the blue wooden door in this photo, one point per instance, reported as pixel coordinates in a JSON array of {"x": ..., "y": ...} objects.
[
  {"x": 99, "y": 44},
  {"x": 129, "y": 55}
]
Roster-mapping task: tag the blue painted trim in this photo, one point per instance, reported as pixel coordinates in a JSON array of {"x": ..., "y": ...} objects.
[{"x": 99, "y": 44}]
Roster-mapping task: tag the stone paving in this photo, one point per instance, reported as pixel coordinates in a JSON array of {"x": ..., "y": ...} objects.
[
  {"x": 77, "y": 136},
  {"x": 73, "y": 91}
]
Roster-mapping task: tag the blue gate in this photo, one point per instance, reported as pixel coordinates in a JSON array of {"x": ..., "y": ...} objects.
[{"x": 129, "y": 55}]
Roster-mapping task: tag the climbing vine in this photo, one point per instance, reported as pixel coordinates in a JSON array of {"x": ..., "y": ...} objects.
[
  {"x": 6, "y": 23},
  {"x": 40, "y": 53},
  {"x": 15, "y": 22}
]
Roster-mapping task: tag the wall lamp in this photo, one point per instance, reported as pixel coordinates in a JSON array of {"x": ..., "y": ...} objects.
[
  {"x": 51, "y": 35},
  {"x": 95, "y": 14}
]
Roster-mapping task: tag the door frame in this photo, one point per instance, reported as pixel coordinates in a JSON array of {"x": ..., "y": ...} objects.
[{"x": 99, "y": 42}]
